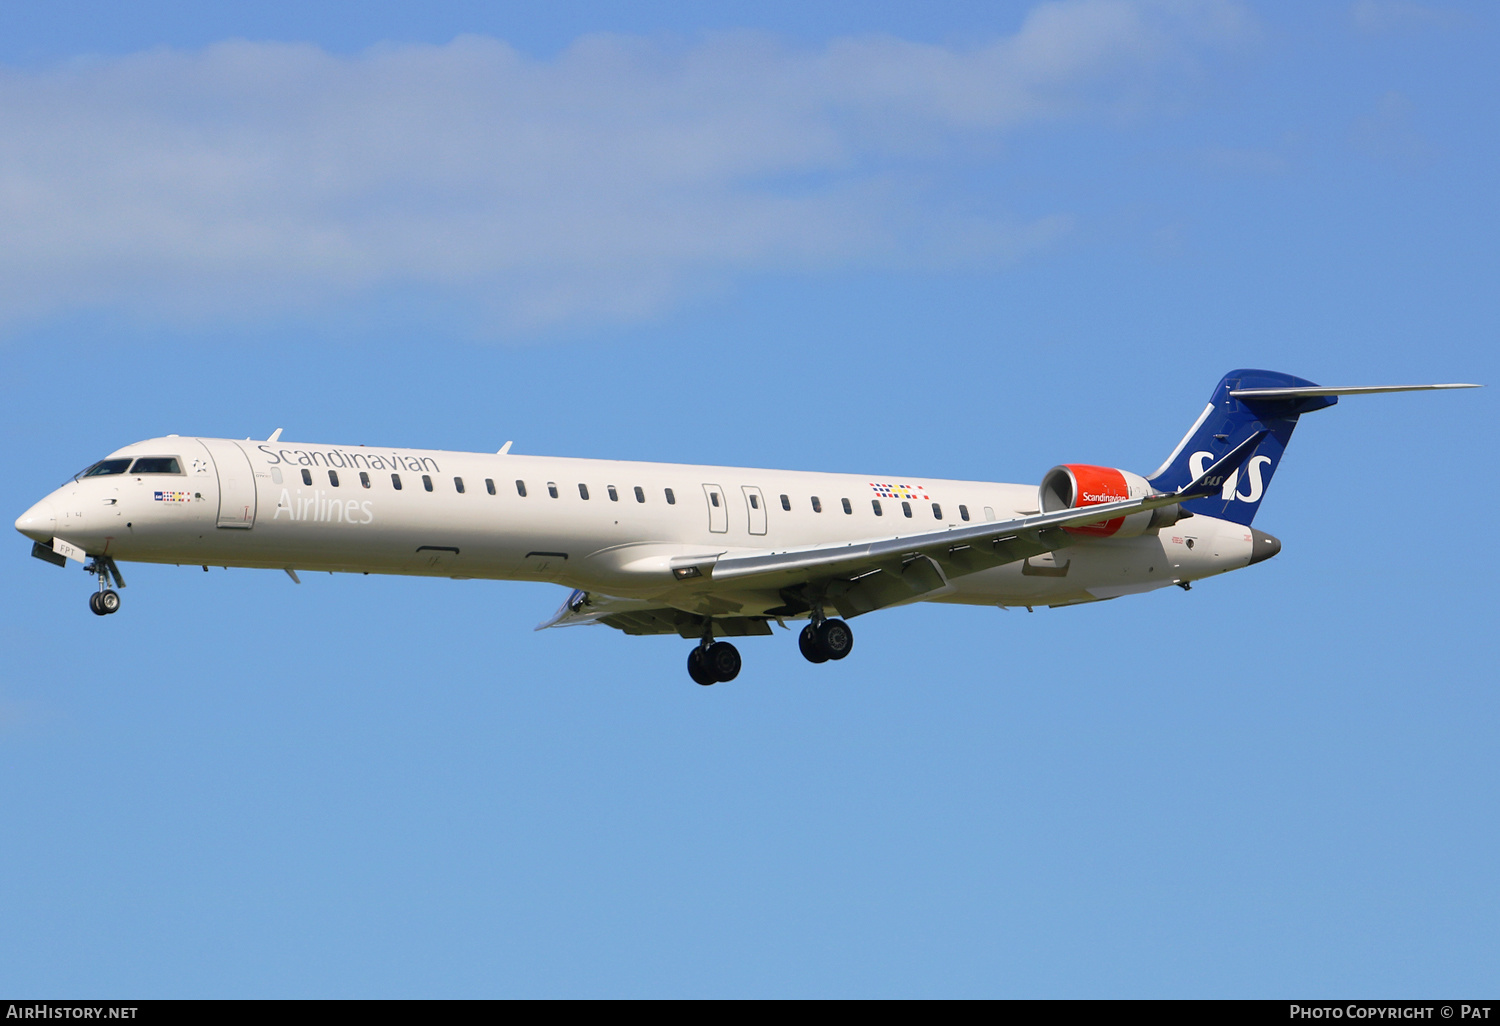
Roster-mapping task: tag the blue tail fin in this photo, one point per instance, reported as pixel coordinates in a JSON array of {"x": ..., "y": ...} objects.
[{"x": 1225, "y": 423}]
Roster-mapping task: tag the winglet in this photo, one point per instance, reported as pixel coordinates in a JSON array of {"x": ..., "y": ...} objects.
[
  {"x": 570, "y": 613},
  {"x": 275, "y": 436}
]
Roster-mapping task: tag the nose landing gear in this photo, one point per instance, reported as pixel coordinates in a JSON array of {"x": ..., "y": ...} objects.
[{"x": 106, "y": 600}]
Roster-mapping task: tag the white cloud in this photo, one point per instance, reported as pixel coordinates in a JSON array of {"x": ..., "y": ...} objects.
[
  {"x": 1400, "y": 16},
  {"x": 1390, "y": 133},
  {"x": 256, "y": 178}
]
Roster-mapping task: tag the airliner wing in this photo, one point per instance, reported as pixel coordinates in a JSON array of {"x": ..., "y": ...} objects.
[{"x": 864, "y": 576}]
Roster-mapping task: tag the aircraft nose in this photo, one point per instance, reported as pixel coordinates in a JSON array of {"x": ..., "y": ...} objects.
[{"x": 38, "y": 523}]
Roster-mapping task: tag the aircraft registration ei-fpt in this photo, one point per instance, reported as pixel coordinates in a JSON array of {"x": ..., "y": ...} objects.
[{"x": 698, "y": 551}]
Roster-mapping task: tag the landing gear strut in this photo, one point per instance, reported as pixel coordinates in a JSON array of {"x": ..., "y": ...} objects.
[
  {"x": 106, "y": 600},
  {"x": 825, "y": 639}
]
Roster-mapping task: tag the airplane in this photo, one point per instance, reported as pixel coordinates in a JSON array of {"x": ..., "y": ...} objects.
[{"x": 703, "y": 552}]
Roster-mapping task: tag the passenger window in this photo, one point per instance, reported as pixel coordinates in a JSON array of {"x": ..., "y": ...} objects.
[
  {"x": 963, "y": 512},
  {"x": 937, "y": 512},
  {"x": 306, "y": 476},
  {"x": 276, "y": 475},
  {"x": 427, "y": 481},
  {"x": 583, "y": 492},
  {"x": 640, "y": 494},
  {"x": 552, "y": 489},
  {"x": 333, "y": 478},
  {"x": 396, "y": 481},
  {"x": 875, "y": 505},
  {"x": 817, "y": 505},
  {"x": 786, "y": 503},
  {"x": 906, "y": 508},
  {"x": 755, "y": 502},
  {"x": 156, "y": 465},
  {"x": 713, "y": 498},
  {"x": 364, "y": 479},
  {"x": 521, "y": 488},
  {"x": 671, "y": 499},
  {"x": 614, "y": 496},
  {"x": 106, "y": 467},
  {"x": 847, "y": 508},
  {"x": 458, "y": 484},
  {"x": 489, "y": 485}
]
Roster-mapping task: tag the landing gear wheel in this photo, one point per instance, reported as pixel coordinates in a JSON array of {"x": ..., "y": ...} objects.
[
  {"x": 714, "y": 664},
  {"x": 697, "y": 670},
  {"x": 94, "y": 604},
  {"x": 807, "y": 641},
  {"x": 109, "y": 601},
  {"x": 722, "y": 660},
  {"x": 835, "y": 639}
]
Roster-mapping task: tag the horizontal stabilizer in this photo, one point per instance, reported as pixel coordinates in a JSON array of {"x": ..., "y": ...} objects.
[{"x": 1317, "y": 390}]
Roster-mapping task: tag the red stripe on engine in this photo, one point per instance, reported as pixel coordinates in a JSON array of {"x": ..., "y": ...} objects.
[{"x": 1097, "y": 485}]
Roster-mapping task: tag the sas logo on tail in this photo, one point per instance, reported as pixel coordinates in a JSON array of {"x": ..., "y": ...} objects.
[{"x": 1201, "y": 460}]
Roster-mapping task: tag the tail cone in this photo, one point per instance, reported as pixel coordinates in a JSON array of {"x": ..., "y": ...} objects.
[{"x": 1263, "y": 546}]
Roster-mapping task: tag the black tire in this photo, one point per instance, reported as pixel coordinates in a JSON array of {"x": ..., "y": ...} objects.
[
  {"x": 94, "y": 605},
  {"x": 109, "y": 601},
  {"x": 697, "y": 670},
  {"x": 807, "y": 641},
  {"x": 835, "y": 639},
  {"x": 722, "y": 660}
]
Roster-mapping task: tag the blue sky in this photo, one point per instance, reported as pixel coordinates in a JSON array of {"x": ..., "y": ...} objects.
[{"x": 955, "y": 241}]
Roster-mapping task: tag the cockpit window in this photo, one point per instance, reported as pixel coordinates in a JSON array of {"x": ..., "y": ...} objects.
[
  {"x": 156, "y": 465},
  {"x": 104, "y": 467}
]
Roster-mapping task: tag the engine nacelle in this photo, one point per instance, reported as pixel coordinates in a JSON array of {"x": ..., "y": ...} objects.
[{"x": 1079, "y": 485}]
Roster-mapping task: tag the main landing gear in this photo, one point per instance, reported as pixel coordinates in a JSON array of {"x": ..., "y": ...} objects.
[
  {"x": 106, "y": 600},
  {"x": 713, "y": 663},
  {"x": 823, "y": 640}
]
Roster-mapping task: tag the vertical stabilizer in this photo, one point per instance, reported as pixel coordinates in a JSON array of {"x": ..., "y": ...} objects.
[{"x": 1225, "y": 423}]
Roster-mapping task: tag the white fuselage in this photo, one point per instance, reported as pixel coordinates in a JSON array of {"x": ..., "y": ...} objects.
[{"x": 300, "y": 506}]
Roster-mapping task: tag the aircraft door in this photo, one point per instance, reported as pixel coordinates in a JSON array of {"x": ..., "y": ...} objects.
[
  {"x": 755, "y": 508},
  {"x": 236, "y": 482},
  {"x": 718, "y": 511}
]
